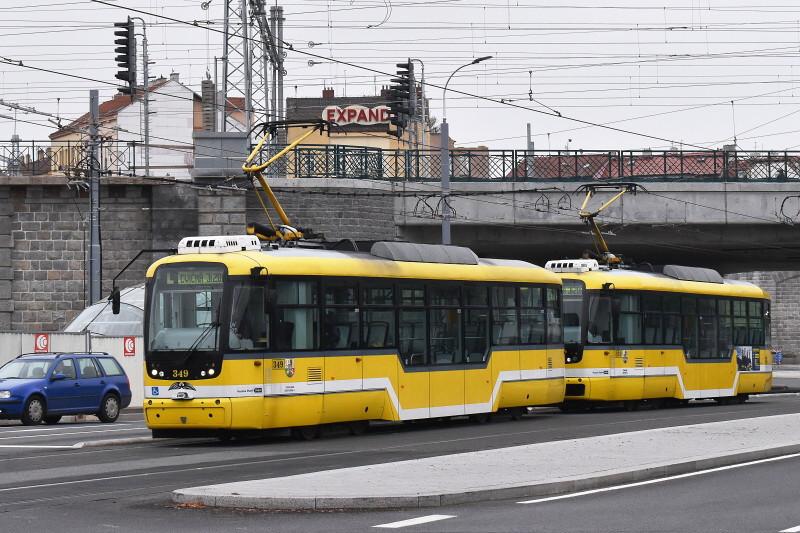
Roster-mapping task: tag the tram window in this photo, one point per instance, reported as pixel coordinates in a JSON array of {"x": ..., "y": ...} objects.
[
  {"x": 553, "y": 315},
  {"x": 671, "y": 303},
  {"x": 339, "y": 328},
  {"x": 412, "y": 296},
  {"x": 378, "y": 295},
  {"x": 378, "y": 328},
  {"x": 476, "y": 328},
  {"x": 572, "y": 295},
  {"x": 531, "y": 316},
  {"x": 296, "y": 329},
  {"x": 629, "y": 319},
  {"x": 725, "y": 333},
  {"x": 475, "y": 296},
  {"x": 651, "y": 306},
  {"x": 740, "y": 323},
  {"x": 689, "y": 326},
  {"x": 412, "y": 336},
  {"x": 249, "y": 327},
  {"x": 707, "y": 328},
  {"x": 599, "y": 328},
  {"x": 445, "y": 345},
  {"x": 756, "y": 323},
  {"x": 505, "y": 327},
  {"x": 504, "y": 296},
  {"x": 445, "y": 295},
  {"x": 296, "y": 292},
  {"x": 767, "y": 324},
  {"x": 343, "y": 293},
  {"x": 505, "y": 319},
  {"x": 530, "y": 297}
]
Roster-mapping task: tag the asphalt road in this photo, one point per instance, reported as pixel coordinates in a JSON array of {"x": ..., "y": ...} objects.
[{"x": 54, "y": 475}]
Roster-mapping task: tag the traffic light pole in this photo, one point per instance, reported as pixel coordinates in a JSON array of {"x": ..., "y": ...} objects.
[
  {"x": 146, "y": 97},
  {"x": 95, "y": 249}
]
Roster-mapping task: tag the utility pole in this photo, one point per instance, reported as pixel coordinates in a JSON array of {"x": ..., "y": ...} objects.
[
  {"x": 95, "y": 248},
  {"x": 529, "y": 158}
]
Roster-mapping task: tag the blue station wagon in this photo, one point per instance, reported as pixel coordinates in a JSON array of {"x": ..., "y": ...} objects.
[{"x": 41, "y": 387}]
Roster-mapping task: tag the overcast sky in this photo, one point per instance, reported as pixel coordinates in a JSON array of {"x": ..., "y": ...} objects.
[{"x": 667, "y": 69}]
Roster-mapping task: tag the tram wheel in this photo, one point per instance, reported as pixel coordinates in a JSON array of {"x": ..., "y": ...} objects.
[
  {"x": 742, "y": 398},
  {"x": 481, "y": 418},
  {"x": 517, "y": 412},
  {"x": 225, "y": 436},
  {"x": 358, "y": 428},
  {"x": 632, "y": 405},
  {"x": 306, "y": 432}
]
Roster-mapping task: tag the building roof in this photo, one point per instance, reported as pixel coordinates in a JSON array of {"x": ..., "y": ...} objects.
[{"x": 108, "y": 109}]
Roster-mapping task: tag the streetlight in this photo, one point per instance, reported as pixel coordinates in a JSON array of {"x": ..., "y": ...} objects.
[{"x": 445, "y": 154}]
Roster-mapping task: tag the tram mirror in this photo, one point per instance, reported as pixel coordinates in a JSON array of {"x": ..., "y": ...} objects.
[
  {"x": 115, "y": 301},
  {"x": 608, "y": 286},
  {"x": 258, "y": 272}
]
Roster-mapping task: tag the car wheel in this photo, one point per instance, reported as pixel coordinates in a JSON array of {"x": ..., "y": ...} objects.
[
  {"x": 53, "y": 419},
  {"x": 109, "y": 408},
  {"x": 34, "y": 411}
]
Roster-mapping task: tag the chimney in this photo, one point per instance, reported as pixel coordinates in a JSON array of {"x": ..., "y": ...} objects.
[
  {"x": 208, "y": 105},
  {"x": 174, "y": 76},
  {"x": 327, "y": 93},
  {"x": 386, "y": 91}
]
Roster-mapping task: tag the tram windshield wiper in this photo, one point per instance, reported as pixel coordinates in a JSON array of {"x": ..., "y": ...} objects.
[{"x": 194, "y": 346}]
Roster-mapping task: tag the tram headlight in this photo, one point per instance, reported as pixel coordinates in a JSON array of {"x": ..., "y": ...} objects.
[
  {"x": 161, "y": 374},
  {"x": 210, "y": 371},
  {"x": 203, "y": 373},
  {"x": 5, "y": 394},
  {"x": 154, "y": 372}
]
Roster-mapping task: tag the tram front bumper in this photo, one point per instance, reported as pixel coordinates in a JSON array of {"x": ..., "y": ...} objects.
[{"x": 200, "y": 413}]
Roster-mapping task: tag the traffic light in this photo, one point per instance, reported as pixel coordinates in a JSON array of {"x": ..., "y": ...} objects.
[
  {"x": 126, "y": 55},
  {"x": 401, "y": 98}
]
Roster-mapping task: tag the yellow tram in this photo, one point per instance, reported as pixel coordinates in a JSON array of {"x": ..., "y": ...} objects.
[
  {"x": 240, "y": 336},
  {"x": 678, "y": 334}
]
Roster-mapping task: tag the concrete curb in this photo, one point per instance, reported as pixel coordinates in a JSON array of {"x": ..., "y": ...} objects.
[{"x": 186, "y": 496}]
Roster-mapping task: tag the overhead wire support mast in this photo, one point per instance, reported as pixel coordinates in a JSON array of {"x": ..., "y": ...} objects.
[
  {"x": 588, "y": 217},
  {"x": 285, "y": 231}
]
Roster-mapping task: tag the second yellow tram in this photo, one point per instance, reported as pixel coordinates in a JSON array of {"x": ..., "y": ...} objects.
[{"x": 678, "y": 334}]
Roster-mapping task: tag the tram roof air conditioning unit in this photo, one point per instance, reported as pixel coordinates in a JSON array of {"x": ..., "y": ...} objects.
[
  {"x": 218, "y": 244},
  {"x": 572, "y": 265}
]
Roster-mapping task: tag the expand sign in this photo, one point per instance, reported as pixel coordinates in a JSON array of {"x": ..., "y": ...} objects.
[{"x": 356, "y": 115}]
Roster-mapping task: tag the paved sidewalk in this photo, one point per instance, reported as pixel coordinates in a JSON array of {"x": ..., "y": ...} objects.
[{"x": 515, "y": 472}]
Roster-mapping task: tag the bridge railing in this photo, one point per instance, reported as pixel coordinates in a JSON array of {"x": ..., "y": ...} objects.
[
  {"x": 71, "y": 158},
  {"x": 336, "y": 161}
]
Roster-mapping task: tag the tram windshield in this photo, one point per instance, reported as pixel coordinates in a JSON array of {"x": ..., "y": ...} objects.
[
  {"x": 572, "y": 296},
  {"x": 184, "y": 312}
]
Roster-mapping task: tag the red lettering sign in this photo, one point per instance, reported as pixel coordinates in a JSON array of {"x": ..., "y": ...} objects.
[
  {"x": 356, "y": 115},
  {"x": 41, "y": 342}
]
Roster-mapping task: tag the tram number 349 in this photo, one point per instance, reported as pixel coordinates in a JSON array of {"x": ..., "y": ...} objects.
[
  {"x": 278, "y": 364},
  {"x": 180, "y": 373}
]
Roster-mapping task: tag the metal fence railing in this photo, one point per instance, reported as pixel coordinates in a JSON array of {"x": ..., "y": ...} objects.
[
  {"x": 332, "y": 161},
  {"x": 71, "y": 158}
]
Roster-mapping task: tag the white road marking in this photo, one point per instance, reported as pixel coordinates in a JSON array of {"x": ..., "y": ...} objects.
[
  {"x": 795, "y": 529},
  {"x": 38, "y": 446},
  {"x": 416, "y": 521},
  {"x": 72, "y": 433},
  {"x": 53, "y": 429},
  {"x": 660, "y": 480}
]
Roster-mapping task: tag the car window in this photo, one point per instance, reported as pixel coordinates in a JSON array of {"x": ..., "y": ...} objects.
[
  {"x": 22, "y": 369},
  {"x": 66, "y": 367},
  {"x": 86, "y": 368},
  {"x": 110, "y": 366}
]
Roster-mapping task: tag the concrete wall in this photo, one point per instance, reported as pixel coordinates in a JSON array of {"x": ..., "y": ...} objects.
[{"x": 15, "y": 344}]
